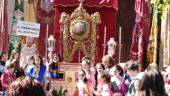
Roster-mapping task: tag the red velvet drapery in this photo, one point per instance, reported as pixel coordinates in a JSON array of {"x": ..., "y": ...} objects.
[
  {"x": 89, "y": 3},
  {"x": 107, "y": 10},
  {"x": 4, "y": 28}
]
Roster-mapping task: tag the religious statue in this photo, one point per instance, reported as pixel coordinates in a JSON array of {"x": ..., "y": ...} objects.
[{"x": 111, "y": 47}]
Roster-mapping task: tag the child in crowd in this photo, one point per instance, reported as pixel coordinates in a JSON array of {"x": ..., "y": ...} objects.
[
  {"x": 8, "y": 76},
  {"x": 92, "y": 81},
  {"x": 29, "y": 61},
  {"x": 14, "y": 56},
  {"x": 53, "y": 67},
  {"x": 103, "y": 87},
  {"x": 108, "y": 62},
  {"x": 3, "y": 59},
  {"x": 83, "y": 88},
  {"x": 125, "y": 75},
  {"x": 53, "y": 70},
  {"x": 117, "y": 80},
  {"x": 18, "y": 70},
  {"x": 132, "y": 72},
  {"x": 86, "y": 65},
  {"x": 100, "y": 68}
]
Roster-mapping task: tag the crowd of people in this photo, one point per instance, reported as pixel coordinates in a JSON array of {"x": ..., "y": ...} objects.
[{"x": 102, "y": 79}]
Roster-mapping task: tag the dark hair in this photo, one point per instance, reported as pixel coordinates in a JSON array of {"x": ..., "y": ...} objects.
[
  {"x": 57, "y": 54},
  {"x": 10, "y": 64},
  {"x": 102, "y": 65},
  {"x": 64, "y": 92},
  {"x": 52, "y": 92},
  {"x": 109, "y": 59},
  {"x": 13, "y": 54},
  {"x": 25, "y": 86},
  {"x": 41, "y": 60},
  {"x": 85, "y": 80},
  {"x": 152, "y": 84},
  {"x": 1, "y": 55},
  {"x": 120, "y": 69},
  {"x": 133, "y": 66},
  {"x": 105, "y": 76},
  {"x": 86, "y": 58},
  {"x": 30, "y": 57}
]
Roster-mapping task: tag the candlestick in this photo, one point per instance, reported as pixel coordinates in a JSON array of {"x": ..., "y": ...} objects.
[
  {"x": 104, "y": 34},
  {"x": 120, "y": 43},
  {"x": 47, "y": 21},
  {"x": 79, "y": 58},
  {"x": 104, "y": 42},
  {"x": 120, "y": 35}
]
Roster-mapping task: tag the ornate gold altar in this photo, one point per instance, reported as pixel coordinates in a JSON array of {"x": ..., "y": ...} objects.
[{"x": 79, "y": 33}]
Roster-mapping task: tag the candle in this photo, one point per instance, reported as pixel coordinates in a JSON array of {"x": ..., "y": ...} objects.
[
  {"x": 120, "y": 35},
  {"x": 104, "y": 34},
  {"x": 104, "y": 41}
]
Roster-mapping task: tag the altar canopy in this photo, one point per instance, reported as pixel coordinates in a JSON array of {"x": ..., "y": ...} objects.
[
  {"x": 89, "y": 3},
  {"x": 106, "y": 8}
]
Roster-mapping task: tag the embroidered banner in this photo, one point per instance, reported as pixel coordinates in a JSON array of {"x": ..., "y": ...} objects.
[{"x": 18, "y": 15}]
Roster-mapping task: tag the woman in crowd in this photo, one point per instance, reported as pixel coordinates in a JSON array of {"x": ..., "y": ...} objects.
[
  {"x": 152, "y": 84},
  {"x": 38, "y": 70},
  {"x": 117, "y": 80},
  {"x": 8, "y": 76}
]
